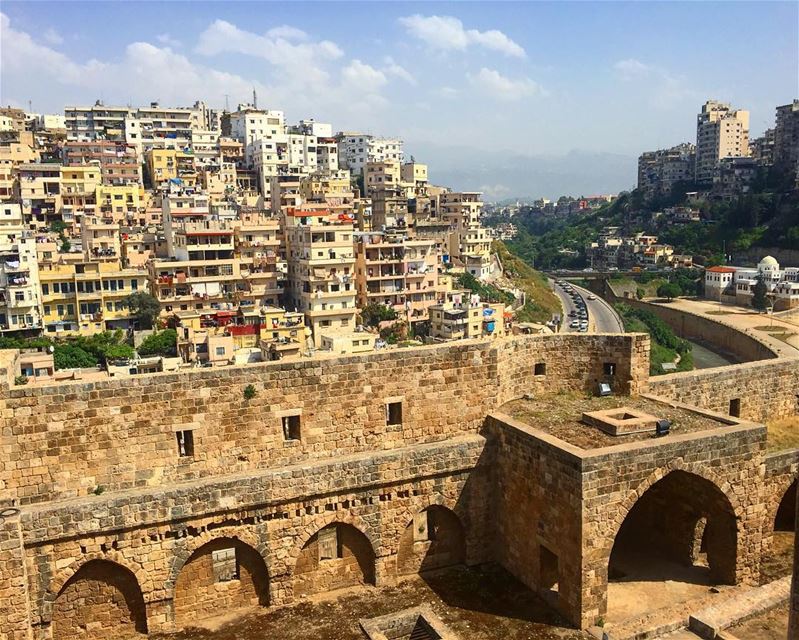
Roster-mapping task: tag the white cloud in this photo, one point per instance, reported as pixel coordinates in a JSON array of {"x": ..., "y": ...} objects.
[
  {"x": 363, "y": 77},
  {"x": 393, "y": 69},
  {"x": 447, "y": 92},
  {"x": 168, "y": 40},
  {"x": 493, "y": 83},
  {"x": 447, "y": 33},
  {"x": 632, "y": 68},
  {"x": 51, "y": 36},
  {"x": 287, "y": 32}
]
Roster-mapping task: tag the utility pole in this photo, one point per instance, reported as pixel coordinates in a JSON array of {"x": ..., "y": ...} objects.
[{"x": 254, "y": 99}]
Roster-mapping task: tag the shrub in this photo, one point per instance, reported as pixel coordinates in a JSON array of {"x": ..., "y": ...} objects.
[
  {"x": 23, "y": 379},
  {"x": 163, "y": 343},
  {"x": 249, "y": 392}
]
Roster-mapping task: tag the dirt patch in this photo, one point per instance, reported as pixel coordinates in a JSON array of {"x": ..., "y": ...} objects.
[
  {"x": 560, "y": 414},
  {"x": 771, "y": 625},
  {"x": 783, "y": 434},
  {"x": 778, "y": 562},
  {"x": 484, "y": 603}
]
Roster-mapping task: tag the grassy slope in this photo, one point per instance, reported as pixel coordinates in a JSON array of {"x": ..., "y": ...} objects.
[
  {"x": 658, "y": 353},
  {"x": 541, "y": 300}
]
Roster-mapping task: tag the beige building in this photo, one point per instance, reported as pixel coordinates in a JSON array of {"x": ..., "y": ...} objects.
[
  {"x": 398, "y": 272},
  {"x": 13, "y": 154},
  {"x": 321, "y": 270},
  {"x": 39, "y": 190},
  {"x": 463, "y": 316},
  {"x": 20, "y": 302},
  {"x": 721, "y": 132},
  {"x": 100, "y": 239}
]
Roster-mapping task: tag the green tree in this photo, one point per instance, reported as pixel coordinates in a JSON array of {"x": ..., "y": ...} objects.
[
  {"x": 145, "y": 307},
  {"x": 669, "y": 290},
  {"x": 163, "y": 343},
  {"x": 373, "y": 314},
  {"x": 759, "y": 299},
  {"x": 71, "y": 356}
]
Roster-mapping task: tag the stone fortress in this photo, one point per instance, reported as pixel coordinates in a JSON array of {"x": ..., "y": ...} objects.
[{"x": 146, "y": 503}]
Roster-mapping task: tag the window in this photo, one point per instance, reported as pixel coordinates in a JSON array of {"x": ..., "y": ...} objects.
[
  {"x": 45, "y": 289},
  {"x": 291, "y": 427},
  {"x": 393, "y": 413},
  {"x": 548, "y": 568},
  {"x": 540, "y": 369},
  {"x": 735, "y": 407},
  {"x": 609, "y": 368},
  {"x": 185, "y": 441},
  {"x": 220, "y": 351},
  {"x": 421, "y": 527},
  {"x": 225, "y": 565},
  {"x": 328, "y": 543}
]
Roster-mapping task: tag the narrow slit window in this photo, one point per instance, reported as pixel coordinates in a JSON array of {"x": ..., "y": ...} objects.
[
  {"x": 291, "y": 427},
  {"x": 394, "y": 413},
  {"x": 185, "y": 440}
]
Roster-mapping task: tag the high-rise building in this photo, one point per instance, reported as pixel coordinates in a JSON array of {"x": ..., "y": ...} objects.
[
  {"x": 659, "y": 171},
  {"x": 786, "y": 136},
  {"x": 721, "y": 132}
]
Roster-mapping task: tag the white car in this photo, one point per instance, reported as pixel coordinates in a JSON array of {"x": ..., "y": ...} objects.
[{"x": 592, "y": 297}]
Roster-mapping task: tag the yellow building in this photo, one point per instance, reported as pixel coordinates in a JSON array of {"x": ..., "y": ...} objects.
[
  {"x": 87, "y": 297},
  {"x": 164, "y": 165},
  {"x": 118, "y": 202},
  {"x": 79, "y": 186}
]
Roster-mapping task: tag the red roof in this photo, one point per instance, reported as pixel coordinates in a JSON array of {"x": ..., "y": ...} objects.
[{"x": 721, "y": 270}]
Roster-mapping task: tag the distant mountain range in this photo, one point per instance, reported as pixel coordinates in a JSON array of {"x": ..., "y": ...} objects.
[{"x": 504, "y": 175}]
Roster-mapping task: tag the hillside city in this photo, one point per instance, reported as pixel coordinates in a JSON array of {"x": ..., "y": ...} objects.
[
  {"x": 249, "y": 239},
  {"x": 329, "y": 378}
]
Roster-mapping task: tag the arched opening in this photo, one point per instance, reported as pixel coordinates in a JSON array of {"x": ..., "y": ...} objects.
[
  {"x": 102, "y": 601},
  {"x": 335, "y": 557},
  {"x": 777, "y": 559},
  {"x": 434, "y": 539},
  {"x": 222, "y": 575},
  {"x": 785, "y": 519},
  {"x": 679, "y": 538}
]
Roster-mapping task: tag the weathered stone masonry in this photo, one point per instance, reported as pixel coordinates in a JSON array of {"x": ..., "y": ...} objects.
[{"x": 116, "y": 526}]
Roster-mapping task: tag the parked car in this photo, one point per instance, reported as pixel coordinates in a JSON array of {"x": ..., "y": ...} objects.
[{"x": 592, "y": 297}]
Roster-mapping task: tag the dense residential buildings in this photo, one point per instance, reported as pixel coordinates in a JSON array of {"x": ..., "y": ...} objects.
[
  {"x": 659, "y": 171},
  {"x": 786, "y": 136}
]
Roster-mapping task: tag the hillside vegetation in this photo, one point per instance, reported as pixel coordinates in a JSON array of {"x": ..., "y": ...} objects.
[
  {"x": 540, "y": 301},
  {"x": 767, "y": 217},
  {"x": 665, "y": 345}
]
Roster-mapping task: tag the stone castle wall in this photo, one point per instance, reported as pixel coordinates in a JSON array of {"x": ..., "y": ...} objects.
[
  {"x": 246, "y": 488},
  {"x": 767, "y": 389},
  {"x": 66, "y": 440}
]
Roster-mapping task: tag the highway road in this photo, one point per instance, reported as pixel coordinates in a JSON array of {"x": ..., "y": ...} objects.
[{"x": 601, "y": 316}]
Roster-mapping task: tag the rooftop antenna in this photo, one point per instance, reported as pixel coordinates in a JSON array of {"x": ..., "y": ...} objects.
[
  {"x": 30, "y": 106},
  {"x": 227, "y": 102},
  {"x": 254, "y": 99}
]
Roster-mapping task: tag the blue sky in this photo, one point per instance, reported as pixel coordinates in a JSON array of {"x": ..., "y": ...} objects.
[{"x": 530, "y": 78}]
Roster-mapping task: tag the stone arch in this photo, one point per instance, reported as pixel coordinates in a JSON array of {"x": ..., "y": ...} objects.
[
  {"x": 188, "y": 545},
  {"x": 434, "y": 538},
  {"x": 101, "y": 600},
  {"x": 675, "y": 465},
  {"x": 336, "y": 555},
  {"x": 782, "y": 515},
  {"x": 220, "y": 575},
  {"x": 143, "y": 579},
  {"x": 662, "y": 524}
]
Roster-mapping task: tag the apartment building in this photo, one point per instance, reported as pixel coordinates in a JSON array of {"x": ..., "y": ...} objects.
[
  {"x": 321, "y": 270},
  {"x": 14, "y": 153},
  {"x": 152, "y": 127},
  {"x": 119, "y": 202},
  {"x": 398, "y": 272},
  {"x": 414, "y": 178},
  {"x": 463, "y": 316},
  {"x": 721, "y": 132},
  {"x": 118, "y": 161},
  {"x": 20, "y": 302},
  {"x": 205, "y": 147},
  {"x": 786, "y": 136},
  {"x": 469, "y": 242},
  {"x": 79, "y": 191},
  {"x": 356, "y": 149},
  {"x": 659, "y": 171},
  {"x": 39, "y": 190},
  {"x": 762, "y": 148},
  {"x": 381, "y": 175},
  {"x": 258, "y": 245},
  {"x": 170, "y": 165},
  {"x": 100, "y": 239},
  {"x": 249, "y": 125},
  {"x": 733, "y": 177},
  {"x": 87, "y": 297}
]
